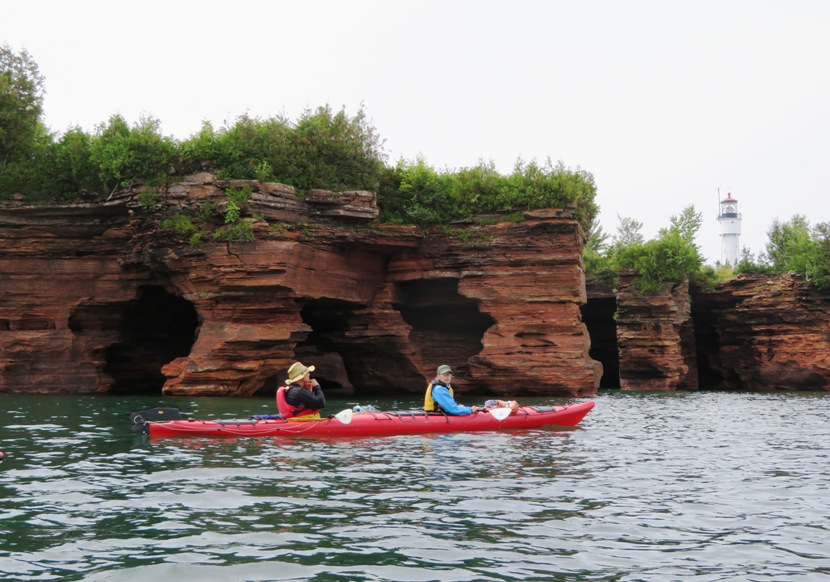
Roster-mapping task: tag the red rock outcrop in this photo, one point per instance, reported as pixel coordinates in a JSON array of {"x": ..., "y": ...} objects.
[
  {"x": 100, "y": 298},
  {"x": 760, "y": 332},
  {"x": 529, "y": 284},
  {"x": 61, "y": 280},
  {"x": 655, "y": 334}
]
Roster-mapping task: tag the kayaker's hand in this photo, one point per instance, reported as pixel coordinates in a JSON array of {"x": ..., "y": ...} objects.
[{"x": 476, "y": 409}]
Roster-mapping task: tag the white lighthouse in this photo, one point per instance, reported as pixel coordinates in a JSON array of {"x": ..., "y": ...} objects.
[{"x": 730, "y": 230}]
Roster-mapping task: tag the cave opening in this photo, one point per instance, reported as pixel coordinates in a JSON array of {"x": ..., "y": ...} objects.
[
  {"x": 598, "y": 317},
  {"x": 707, "y": 347},
  {"x": 446, "y": 326},
  {"x": 356, "y": 352},
  {"x": 153, "y": 329},
  {"x": 324, "y": 346}
]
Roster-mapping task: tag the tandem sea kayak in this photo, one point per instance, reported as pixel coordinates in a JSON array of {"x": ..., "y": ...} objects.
[{"x": 167, "y": 422}]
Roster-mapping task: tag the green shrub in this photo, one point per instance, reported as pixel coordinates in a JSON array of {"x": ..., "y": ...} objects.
[
  {"x": 336, "y": 152},
  {"x": 818, "y": 267},
  {"x": 263, "y": 171},
  {"x": 181, "y": 223},
  {"x": 74, "y": 169},
  {"x": 238, "y": 150},
  {"x": 32, "y": 176},
  {"x": 428, "y": 195},
  {"x": 204, "y": 211},
  {"x": 147, "y": 200},
  {"x": 237, "y": 198},
  {"x": 198, "y": 152},
  {"x": 124, "y": 155},
  {"x": 414, "y": 192},
  {"x": 670, "y": 258},
  {"x": 237, "y": 232},
  {"x": 323, "y": 149}
]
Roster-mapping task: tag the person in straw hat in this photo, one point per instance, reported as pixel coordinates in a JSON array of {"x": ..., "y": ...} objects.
[{"x": 302, "y": 395}]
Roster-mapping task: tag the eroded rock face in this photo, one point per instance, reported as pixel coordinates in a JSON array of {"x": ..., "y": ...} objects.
[
  {"x": 527, "y": 282},
  {"x": 61, "y": 292},
  {"x": 655, "y": 334},
  {"x": 760, "y": 332},
  {"x": 100, "y": 298}
]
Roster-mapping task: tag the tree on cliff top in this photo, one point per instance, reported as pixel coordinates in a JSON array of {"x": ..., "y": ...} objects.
[
  {"x": 323, "y": 149},
  {"x": 21, "y": 104},
  {"x": 671, "y": 257},
  {"x": 796, "y": 247},
  {"x": 123, "y": 154}
]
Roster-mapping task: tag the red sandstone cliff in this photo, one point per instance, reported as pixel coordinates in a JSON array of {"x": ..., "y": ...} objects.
[
  {"x": 760, "y": 332},
  {"x": 656, "y": 338},
  {"x": 99, "y": 297}
]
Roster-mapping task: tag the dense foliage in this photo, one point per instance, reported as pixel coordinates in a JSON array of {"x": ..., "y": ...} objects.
[
  {"x": 672, "y": 256},
  {"x": 21, "y": 132},
  {"x": 323, "y": 149},
  {"x": 416, "y": 193},
  {"x": 794, "y": 247}
]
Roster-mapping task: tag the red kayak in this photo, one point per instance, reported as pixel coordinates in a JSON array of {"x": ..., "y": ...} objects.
[{"x": 166, "y": 422}]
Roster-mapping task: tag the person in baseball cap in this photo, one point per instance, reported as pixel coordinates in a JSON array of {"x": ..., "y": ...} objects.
[{"x": 439, "y": 396}]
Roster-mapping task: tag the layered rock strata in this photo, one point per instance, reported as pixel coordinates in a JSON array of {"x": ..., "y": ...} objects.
[
  {"x": 655, "y": 335},
  {"x": 100, "y": 297},
  {"x": 760, "y": 332}
]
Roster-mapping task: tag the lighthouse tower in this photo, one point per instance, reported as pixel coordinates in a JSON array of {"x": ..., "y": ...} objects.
[{"x": 730, "y": 230}]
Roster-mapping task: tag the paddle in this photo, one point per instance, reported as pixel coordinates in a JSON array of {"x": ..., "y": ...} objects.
[
  {"x": 155, "y": 415},
  {"x": 499, "y": 413},
  {"x": 344, "y": 416}
]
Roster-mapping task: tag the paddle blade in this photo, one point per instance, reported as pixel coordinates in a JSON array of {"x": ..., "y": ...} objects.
[
  {"x": 344, "y": 416},
  {"x": 500, "y": 413},
  {"x": 155, "y": 415}
]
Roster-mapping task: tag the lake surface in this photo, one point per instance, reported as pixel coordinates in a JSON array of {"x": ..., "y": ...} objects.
[{"x": 679, "y": 486}]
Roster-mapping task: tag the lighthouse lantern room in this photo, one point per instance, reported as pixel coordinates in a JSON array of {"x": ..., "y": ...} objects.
[{"x": 730, "y": 230}]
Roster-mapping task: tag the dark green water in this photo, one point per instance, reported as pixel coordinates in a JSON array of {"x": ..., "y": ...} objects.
[{"x": 686, "y": 486}]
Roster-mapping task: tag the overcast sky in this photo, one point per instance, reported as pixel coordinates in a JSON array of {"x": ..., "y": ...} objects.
[{"x": 664, "y": 102}]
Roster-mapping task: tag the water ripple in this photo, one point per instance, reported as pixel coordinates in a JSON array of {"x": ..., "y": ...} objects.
[{"x": 688, "y": 486}]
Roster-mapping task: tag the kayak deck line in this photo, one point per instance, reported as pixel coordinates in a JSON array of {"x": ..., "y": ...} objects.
[{"x": 165, "y": 423}]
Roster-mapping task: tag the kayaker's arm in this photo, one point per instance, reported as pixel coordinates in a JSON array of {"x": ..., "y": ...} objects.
[
  {"x": 447, "y": 403},
  {"x": 314, "y": 398}
]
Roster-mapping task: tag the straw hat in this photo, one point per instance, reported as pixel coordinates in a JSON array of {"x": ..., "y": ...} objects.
[{"x": 297, "y": 371}]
